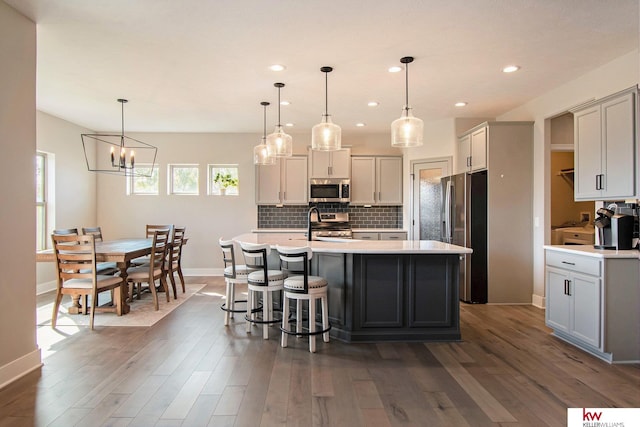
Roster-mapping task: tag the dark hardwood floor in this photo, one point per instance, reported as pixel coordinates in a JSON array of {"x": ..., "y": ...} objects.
[{"x": 190, "y": 370}]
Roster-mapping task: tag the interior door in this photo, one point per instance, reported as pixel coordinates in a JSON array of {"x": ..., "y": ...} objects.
[{"x": 426, "y": 199}]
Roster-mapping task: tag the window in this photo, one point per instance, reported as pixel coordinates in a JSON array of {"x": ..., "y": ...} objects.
[
  {"x": 183, "y": 179},
  {"x": 41, "y": 201},
  {"x": 143, "y": 185},
  {"x": 223, "y": 180}
]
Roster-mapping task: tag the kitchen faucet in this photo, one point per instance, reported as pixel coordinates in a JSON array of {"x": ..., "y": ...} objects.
[{"x": 311, "y": 209}]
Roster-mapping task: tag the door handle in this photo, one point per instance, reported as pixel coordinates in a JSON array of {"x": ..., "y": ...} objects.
[
  {"x": 565, "y": 286},
  {"x": 569, "y": 287}
]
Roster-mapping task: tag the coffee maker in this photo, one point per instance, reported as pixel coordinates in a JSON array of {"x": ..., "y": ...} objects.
[{"x": 615, "y": 231}]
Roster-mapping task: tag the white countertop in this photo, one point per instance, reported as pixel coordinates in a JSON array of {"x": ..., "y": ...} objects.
[
  {"x": 332, "y": 245},
  {"x": 589, "y": 250}
]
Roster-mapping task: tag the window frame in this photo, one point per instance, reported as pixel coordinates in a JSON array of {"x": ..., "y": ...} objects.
[
  {"x": 212, "y": 188},
  {"x": 42, "y": 208},
  {"x": 170, "y": 169},
  {"x": 131, "y": 179}
]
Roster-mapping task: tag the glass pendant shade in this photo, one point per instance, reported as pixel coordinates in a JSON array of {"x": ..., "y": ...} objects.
[
  {"x": 326, "y": 135},
  {"x": 261, "y": 154},
  {"x": 279, "y": 144},
  {"x": 407, "y": 131},
  {"x": 261, "y": 151}
]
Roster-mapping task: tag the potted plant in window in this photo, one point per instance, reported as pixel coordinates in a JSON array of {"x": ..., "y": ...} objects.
[{"x": 225, "y": 180}]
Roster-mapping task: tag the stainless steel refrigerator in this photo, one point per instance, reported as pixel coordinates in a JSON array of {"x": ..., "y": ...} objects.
[{"x": 464, "y": 223}]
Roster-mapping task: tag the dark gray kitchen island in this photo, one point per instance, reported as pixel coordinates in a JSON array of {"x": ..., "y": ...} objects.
[{"x": 384, "y": 290}]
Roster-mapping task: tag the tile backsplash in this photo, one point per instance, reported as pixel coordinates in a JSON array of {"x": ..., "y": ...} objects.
[{"x": 359, "y": 216}]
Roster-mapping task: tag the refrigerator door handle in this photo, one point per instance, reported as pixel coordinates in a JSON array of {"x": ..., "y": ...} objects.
[{"x": 448, "y": 212}]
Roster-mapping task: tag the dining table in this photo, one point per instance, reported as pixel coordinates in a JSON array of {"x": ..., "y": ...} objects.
[{"x": 121, "y": 252}]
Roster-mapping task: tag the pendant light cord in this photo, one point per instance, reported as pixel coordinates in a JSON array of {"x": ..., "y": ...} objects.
[
  {"x": 406, "y": 68},
  {"x": 279, "y": 125},
  {"x": 264, "y": 126},
  {"x": 326, "y": 93},
  {"x": 122, "y": 103}
]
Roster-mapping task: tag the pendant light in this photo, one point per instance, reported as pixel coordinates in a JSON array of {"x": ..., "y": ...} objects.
[
  {"x": 407, "y": 131},
  {"x": 279, "y": 144},
  {"x": 326, "y": 136},
  {"x": 118, "y": 154},
  {"x": 260, "y": 153}
]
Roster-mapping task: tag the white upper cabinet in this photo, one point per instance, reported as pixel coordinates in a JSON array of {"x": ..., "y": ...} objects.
[
  {"x": 376, "y": 180},
  {"x": 330, "y": 164},
  {"x": 471, "y": 152},
  {"x": 285, "y": 182},
  {"x": 605, "y": 148}
]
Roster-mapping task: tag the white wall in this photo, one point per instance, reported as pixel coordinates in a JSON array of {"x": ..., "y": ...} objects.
[
  {"x": 75, "y": 187},
  {"x": 19, "y": 353},
  {"x": 612, "y": 77}
]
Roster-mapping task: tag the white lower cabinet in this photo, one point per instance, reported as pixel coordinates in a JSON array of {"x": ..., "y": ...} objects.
[
  {"x": 591, "y": 302},
  {"x": 382, "y": 235}
]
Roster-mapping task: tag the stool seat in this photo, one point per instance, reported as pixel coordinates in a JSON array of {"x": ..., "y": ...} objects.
[
  {"x": 296, "y": 283},
  {"x": 257, "y": 277},
  {"x": 241, "y": 270}
]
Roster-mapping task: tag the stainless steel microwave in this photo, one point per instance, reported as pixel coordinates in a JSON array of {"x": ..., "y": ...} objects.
[{"x": 329, "y": 190}]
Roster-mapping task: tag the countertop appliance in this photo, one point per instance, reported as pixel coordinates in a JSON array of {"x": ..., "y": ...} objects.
[
  {"x": 464, "y": 223},
  {"x": 615, "y": 231},
  {"x": 331, "y": 225},
  {"x": 335, "y": 190}
]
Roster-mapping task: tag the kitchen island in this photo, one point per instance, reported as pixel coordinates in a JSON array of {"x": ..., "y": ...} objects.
[{"x": 383, "y": 290}]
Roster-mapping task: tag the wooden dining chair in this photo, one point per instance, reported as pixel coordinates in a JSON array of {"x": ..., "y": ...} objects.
[
  {"x": 96, "y": 232},
  {"x": 77, "y": 274},
  {"x": 103, "y": 267},
  {"x": 156, "y": 270},
  {"x": 174, "y": 263},
  {"x": 149, "y": 230},
  {"x": 65, "y": 231}
]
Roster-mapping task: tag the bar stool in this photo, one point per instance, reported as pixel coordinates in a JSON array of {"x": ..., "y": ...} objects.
[
  {"x": 233, "y": 274},
  {"x": 302, "y": 287},
  {"x": 262, "y": 280}
]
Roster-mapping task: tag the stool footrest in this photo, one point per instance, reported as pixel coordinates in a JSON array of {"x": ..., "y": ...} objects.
[
  {"x": 304, "y": 334},
  {"x": 260, "y": 321},
  {"x": 223, "y": 307}
]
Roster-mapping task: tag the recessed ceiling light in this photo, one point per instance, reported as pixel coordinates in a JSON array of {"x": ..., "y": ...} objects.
[
  {"x": 360, "y": 125},
  {"x": 285, "y": 102},
  {"x": 373, "y": 103},
  {"x": 395, "y": 69},
  {"x": 289, "y": 125},
  {"x": 277, "y": 67},
  {"x": 460, "y": 104},
  {"x": 510, "y": 68}
]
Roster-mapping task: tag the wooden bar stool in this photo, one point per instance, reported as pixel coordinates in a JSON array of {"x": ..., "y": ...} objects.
[
  {"x": 301, "y": 287},
  {"x": 262, "y": 281},
  {"x": 233, "y": 274}
]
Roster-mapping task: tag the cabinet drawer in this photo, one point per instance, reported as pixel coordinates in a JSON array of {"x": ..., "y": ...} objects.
[
  {"x": 393, "y": 236},
  {"x": 362, "y": 235},
  {"x": 581, "y": 264}
]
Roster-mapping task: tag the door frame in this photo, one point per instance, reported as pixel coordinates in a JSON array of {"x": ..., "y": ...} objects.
[{"x": 412, "y": 164}]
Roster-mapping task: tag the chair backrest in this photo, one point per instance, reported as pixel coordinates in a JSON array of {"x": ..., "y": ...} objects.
[
  {"x": 151, "y": 228},
  {"x": 255, "y": 255},
  {"x": 292, "y": 258},
  {"x": 159, "y": 249},
  {"x": 65, "y": 231},
  {"x": 175, "y": 248},
  {"x": 228, "y": 257},
  {"x": 75, "y": 257},
  {"x": 96, "y": 232}
]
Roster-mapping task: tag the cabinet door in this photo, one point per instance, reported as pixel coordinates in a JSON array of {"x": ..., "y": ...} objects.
[
  {"x": 389, "y": 180},
  {"x": 363, "y": 181},
  {"x": 478, "y": 150},
  {"x": 295, "y": 181},
  {"x": 365, "y": 235},
  {"x": 588, "y": 153},
  {"x": 389, "y": 235},
  {"x": 340, "y": 166},
  {"x": 268, "y": 184},
  {"x": 585, "y": 299},
  {"x": 319, "y": 164},
  {"x": 618, "y": 148},
  {"x": 462, "y": 154},
  {"x": 558, "y": 302}
]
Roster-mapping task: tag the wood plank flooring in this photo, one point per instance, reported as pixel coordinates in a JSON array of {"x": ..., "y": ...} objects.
[{"x": 191, "y": 370}]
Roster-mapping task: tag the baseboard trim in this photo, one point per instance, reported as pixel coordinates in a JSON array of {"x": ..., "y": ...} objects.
[
  {"x": 538, "y": 301},
  {"x": 20, "y": 367},
  {"x": 42, "y": 288}
]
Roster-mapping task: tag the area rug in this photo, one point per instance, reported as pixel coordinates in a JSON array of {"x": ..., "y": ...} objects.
[{"x": 142, "y": 311}]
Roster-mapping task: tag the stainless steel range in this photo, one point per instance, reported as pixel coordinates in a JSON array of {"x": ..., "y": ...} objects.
[{"x": 331, "y": 225}]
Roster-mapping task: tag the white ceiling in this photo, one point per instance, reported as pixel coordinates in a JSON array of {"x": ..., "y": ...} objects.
[{"x": 201, "y": 65}]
